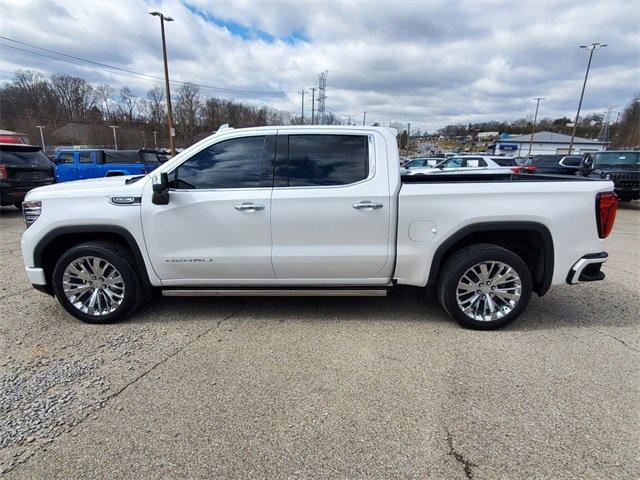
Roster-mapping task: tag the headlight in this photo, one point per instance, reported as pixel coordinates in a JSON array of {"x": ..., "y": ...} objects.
[{"x": 31, "y": 211}]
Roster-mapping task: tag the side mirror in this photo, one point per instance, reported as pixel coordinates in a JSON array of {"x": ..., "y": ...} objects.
[
  {"x": 161, "y": 190},
  {"x": 566, "y": 162}
]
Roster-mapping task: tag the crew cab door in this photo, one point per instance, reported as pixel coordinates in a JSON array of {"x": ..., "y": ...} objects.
[
  {"x": 215, "y": 229},
  {"x": 87, "y": 167},
  {"x": 330, "y": 209}
]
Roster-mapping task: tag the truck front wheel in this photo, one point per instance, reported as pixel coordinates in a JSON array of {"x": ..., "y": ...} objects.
[
  {"x": 484, "y": 286},
  {"x": 97, "y": 282}
]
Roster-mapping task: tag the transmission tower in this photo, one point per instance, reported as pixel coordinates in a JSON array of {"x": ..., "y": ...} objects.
[
  {"x": 322, "y": 96},
  {"x": 603, "y": 135}
]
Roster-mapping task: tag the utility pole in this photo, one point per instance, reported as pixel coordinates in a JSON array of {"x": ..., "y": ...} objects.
[
  {"x": 40, "y": 127},
  {"x": 592, "y": 48},
  {"x": 313, "y": 105},
  {"x": 535, "y": 117},
  {"x": 172, "y": 132},
  {"x": 302, "y": 92},
  {"x": 155, "y": 138},
  {"x": 115, "y": 139},
  {"x": 364, "y": 119},
  {"x": 349, "y": 121}
]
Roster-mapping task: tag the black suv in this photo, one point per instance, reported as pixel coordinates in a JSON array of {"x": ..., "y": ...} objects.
[
  {"x": 621, "y": 166},
  {"x": 22, "y": 167}
]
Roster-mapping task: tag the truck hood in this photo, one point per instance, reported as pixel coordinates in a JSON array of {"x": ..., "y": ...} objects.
[{"x": 90, "y": 187}]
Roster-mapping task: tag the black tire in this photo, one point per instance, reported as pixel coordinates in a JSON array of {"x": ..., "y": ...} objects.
[
  {"x": 464, "y": 259},
  {"x": 121, "y": 259}
]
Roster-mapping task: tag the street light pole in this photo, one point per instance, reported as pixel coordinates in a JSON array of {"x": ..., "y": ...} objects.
[
  {"x": 302, "y": 92},
  {"x": 115, "y": 139},
  {"x": 592, "y": 48},
  {"x": 155, "y": 138},
  {"x": 172, "y": 143},
  {"x": 40, "y": 127},
  {"x": 535, "y": 117},
  {"x": 364, "y": 119},
  {"x": 313, "y": 105}
]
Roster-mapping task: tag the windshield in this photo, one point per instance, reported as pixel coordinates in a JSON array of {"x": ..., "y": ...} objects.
[
  {"x": 617, "y": 158},
  {"x": 20, "y": 156}
]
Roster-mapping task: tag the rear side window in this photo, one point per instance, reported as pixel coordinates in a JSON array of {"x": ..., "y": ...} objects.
[
  {"x": 505, "y": 162},
  {"x": 23, "y": 156},
  {"x": 476, "y": 162},
  {"x": 321, "y": 160},
  {"x": 86, "y": 157},
  {"x": 234, "y": 163},
  {"x": 121, "y": 156},
  {"x": 66, "y": 157}
]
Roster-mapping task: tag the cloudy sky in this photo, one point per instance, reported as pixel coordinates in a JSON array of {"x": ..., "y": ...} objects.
[{"x": 428, "y": 63}]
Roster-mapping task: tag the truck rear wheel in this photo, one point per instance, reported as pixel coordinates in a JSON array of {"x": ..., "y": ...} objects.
[
  {"x": 97, "y": 282},
  {"x": 484, "y": 286}
]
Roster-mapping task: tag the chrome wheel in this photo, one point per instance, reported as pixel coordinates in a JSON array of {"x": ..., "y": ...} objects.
[
  {"x": 93, "y": 285},
  {"x": 489, "y": 291}
]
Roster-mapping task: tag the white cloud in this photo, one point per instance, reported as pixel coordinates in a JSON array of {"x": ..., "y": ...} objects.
[{"x": 429, "y": 63}]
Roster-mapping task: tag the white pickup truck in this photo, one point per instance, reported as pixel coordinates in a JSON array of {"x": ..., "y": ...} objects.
[{"x": 313, "y": 210}]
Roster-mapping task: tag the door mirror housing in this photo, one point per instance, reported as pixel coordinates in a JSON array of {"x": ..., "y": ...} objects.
[
  {"x": 570, "y": 162},
  {"x": 161, "y": 189}
]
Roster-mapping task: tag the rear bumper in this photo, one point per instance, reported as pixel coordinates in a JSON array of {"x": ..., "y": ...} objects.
[
  {"x": 587, "y": 269},
  {"x": 10, "y": 194}
]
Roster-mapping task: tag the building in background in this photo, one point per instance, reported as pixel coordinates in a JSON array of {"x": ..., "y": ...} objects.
[{"x": 545, "y": 143}]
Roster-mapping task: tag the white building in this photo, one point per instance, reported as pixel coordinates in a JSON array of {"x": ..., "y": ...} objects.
[{"x": 545, "y": 143}]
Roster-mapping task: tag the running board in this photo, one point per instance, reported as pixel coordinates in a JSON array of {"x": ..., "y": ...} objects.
[{"x": 345, "y": 292}]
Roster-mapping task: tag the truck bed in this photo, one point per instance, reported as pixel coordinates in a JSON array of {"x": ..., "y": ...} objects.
[{"x": 492, "y": 177}]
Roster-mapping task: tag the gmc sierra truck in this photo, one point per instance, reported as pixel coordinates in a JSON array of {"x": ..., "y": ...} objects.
[{"x": 313, "y": 210}]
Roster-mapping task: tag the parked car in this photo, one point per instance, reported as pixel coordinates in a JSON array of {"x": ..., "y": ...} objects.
[
  {"x": 420, "y": 162},
  {"x": 317, "y": 210},
  {"x": 80, "y": 164},
  {"x": 466, "y": 162},
  {"x": 620, "y": 166},
  {"x": 22, "y": 168},
  {"x": 557, "y": 164}
]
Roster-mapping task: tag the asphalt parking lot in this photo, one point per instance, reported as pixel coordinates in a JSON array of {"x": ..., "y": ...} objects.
[{"x": 323, "y": 387}]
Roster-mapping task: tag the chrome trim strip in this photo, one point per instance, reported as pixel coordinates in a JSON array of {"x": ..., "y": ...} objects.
[
  {"x": 275, "y": 293},
  {"x": 580, "y": 265}
]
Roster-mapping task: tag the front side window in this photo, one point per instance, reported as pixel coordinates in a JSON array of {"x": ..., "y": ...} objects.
[
  {"x": 453, "y": 162},
  {"x": 324, "y": 160},
  {"x": 65, "y": 158},
  {"x": 234, "y": 163}
]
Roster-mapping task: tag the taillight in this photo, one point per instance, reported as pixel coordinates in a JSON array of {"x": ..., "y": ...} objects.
[
  {"x": 606, "y": 208},
  {"x": 527, "y": 169},
  {"x": 3, "y": 173}
]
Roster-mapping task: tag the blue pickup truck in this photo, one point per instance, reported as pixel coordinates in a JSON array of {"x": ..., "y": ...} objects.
[{"x": 79, "y": 164}]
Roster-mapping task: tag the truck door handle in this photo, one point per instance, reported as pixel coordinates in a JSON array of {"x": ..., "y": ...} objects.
[
  {"x": 367, "y": 205},
  {"x": 248, "y": 206}
]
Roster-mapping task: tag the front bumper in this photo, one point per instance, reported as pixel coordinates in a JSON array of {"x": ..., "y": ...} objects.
[
  {"x": 36, "y": 276},
  {"x": 587, "y": 269}
]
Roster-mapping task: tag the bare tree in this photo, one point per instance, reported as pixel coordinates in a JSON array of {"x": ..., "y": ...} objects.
[{"x": 104, "y": 94}]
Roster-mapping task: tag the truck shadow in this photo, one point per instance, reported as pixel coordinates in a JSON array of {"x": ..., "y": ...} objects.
[
  {"x": 403, "y": 305},
  {"x": 10, "y": 212}
]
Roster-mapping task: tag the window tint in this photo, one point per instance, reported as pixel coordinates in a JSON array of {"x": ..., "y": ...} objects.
[
  {"x": 66, "y": 157},
  {"x": 505, "y": 162},
  {"x": 86, "y": 157},
  {"x": 235, "y": 163},
  {"x": 121, "y": 156},
  {"x": 327, "y": 159},
  {"x": 23, "y": 156}
]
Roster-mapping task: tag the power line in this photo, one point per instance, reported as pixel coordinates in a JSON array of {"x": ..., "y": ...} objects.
[{"x": 104, "y": 66}]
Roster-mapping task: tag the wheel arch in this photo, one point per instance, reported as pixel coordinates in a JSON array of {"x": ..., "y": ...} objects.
[
  {"x": 532, "y": 241},
  {"x": 59, "y": 240}
]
